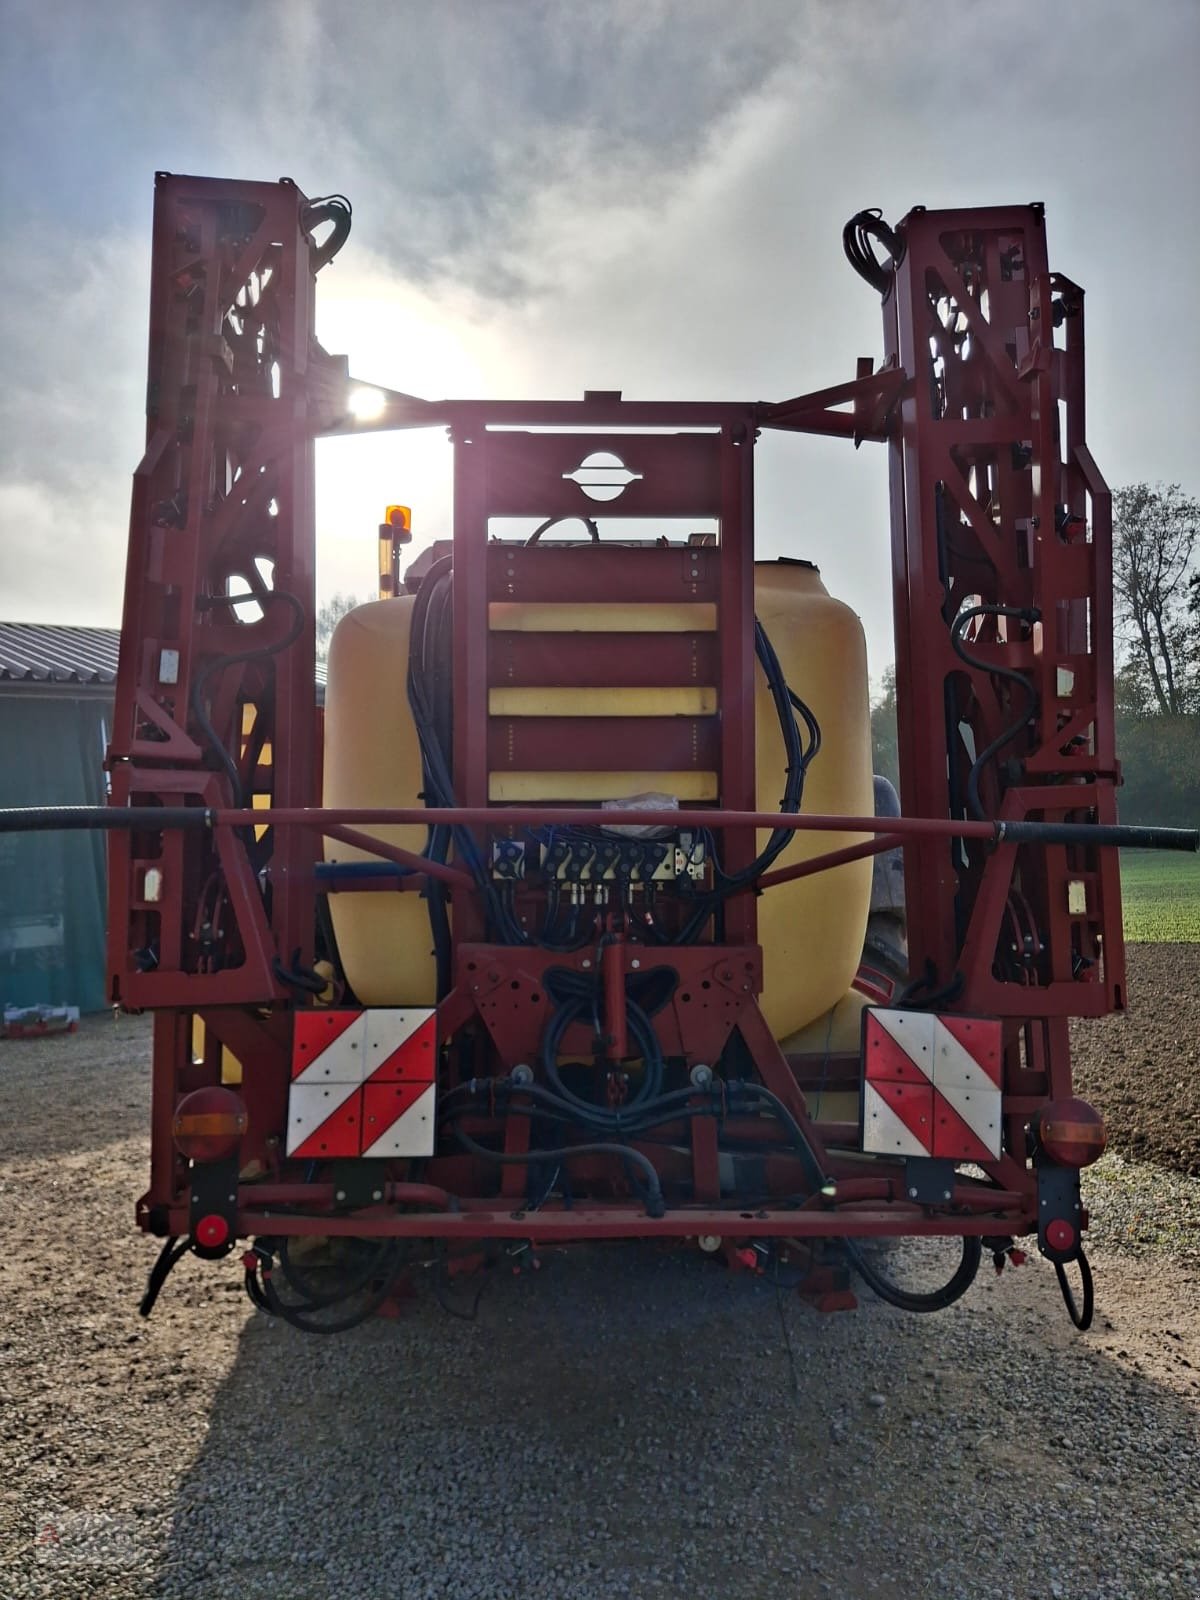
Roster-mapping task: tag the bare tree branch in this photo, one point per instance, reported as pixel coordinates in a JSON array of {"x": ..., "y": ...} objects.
[{"x": 1156, "y": 541}]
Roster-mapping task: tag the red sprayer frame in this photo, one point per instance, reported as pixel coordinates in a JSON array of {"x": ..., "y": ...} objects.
[{"x": 999, "y": 518}]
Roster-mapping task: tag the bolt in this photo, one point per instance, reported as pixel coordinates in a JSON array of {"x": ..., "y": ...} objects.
[
  {"x": 635, "y": 964},
  {"x": 701, "y": 1075},
  {"x": 945, "y": 1194},
  {"x": 376, "y": 1194},
  {"x": 341, "y": 1194},
  {"x": 585, "y": 963},
  {"x": 912, "y": 1194}
]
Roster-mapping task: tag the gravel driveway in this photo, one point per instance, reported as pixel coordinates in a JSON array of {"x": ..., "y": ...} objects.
[{"x": 621, "y": 1423}]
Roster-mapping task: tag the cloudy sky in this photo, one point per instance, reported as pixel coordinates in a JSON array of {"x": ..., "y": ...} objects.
[{"x": 553, "y": 195}]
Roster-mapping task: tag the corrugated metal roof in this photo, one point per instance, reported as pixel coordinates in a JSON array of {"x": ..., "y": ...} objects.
[{"x": 32, "y": 652}]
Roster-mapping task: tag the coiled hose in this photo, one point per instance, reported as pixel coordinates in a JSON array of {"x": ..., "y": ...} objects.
[
  {"x": 371, "y": 1282},
  {"x": 935, "y": 1299}
]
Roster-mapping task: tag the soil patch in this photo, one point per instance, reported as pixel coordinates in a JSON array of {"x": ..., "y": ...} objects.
[{"x": 1142, "y": 1069}]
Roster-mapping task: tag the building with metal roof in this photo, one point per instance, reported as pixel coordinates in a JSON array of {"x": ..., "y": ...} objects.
[
  {"x": 56, "y": 697},
  {"x": 34, "y": 652}
]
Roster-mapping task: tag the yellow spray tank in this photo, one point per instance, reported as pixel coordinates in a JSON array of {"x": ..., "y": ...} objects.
[{"x": 811, "y": 930}]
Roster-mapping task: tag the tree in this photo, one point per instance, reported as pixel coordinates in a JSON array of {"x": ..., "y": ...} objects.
[
  {"x": 884, "y": 743},
  {"x": 1156, "y": 538},
  {"x": 328, "y": 617}
]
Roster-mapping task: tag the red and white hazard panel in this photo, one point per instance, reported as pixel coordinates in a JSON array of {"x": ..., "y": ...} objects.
[
  {"x": 931, "y": 1085},
  {"x": 362, "y": 1083}
]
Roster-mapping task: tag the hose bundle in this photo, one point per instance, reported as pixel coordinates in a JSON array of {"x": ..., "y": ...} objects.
[{"x": 857, "y": 235}]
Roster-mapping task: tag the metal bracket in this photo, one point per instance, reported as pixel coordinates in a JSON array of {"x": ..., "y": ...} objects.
[
  {"x": 928, "y": 1180},
  {"x": 213, "y": 1192},
  {"x": 358, "y": 1182},
  {"x": 1059, "y": 1202}
]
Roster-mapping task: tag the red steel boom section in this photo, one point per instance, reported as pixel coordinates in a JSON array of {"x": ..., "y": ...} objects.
[{"x": 1002, "y": 585}]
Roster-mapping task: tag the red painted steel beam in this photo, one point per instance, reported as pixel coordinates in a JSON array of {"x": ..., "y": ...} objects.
[
  {"x": 393, "y": 852},
  {"x": 832, "y": 858},
  {"x": 322, "y": 1194},
  {"x": 596, "y": 1221},
  {"x": 807, "y": 413}
]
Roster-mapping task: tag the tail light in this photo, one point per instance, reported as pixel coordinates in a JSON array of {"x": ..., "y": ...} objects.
[
  {"x": 1072, "y": 1132},
  {"x": 208, "y": 1123},
  {"x": 211, "y": 1232}
]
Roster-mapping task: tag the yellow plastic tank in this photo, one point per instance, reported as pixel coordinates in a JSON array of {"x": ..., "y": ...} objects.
[
  {"x": 811, "y": 930},
  {"x": 372, "y": 758}
]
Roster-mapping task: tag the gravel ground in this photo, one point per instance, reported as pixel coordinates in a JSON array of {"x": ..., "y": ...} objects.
[{"x": 621, "y": 1423}]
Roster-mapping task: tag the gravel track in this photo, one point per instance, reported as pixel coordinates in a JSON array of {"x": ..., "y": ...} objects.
[{"x": 621, "y": 1423}]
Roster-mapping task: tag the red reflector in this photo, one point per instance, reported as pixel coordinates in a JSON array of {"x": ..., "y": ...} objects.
[
  {"x": 1072, "y": 1132},
  {"x": 208, "y": 1123},
  {"x": 211, "y": 1232},
  {"x": 1060, "y": 1235}
]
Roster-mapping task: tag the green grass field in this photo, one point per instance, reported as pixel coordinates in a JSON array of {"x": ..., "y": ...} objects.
[{"x": 1160, "y": 895}]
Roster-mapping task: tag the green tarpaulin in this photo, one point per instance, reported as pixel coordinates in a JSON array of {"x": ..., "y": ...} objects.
[{"x": 52, "y": 885}]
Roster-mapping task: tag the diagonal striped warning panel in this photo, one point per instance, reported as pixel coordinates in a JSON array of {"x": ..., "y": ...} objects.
[
  {"x": 362, "y": 1083},
  {"x": 931, "y": 1085}
]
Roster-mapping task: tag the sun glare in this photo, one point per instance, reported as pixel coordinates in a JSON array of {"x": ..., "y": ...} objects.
[
  {"x": 392, "y": 332},
  {"x": 366, "y": 405}
]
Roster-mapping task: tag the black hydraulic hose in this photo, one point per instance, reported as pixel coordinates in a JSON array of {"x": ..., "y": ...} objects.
[
  {"x": 439, "y": 921},
  {"x": 588, "y": 522},
  {"x": 1125, "y": 836},
  {"x": 109, "y": 819},
  {"x": 1080, "y": 1314},
  {"x": 797, "y": 759},
  {"x": 571, "y": 1010},
  {"x": 254, "y": 1290},
  {"x": 676, "y": 1105},
  {"x": 856, "y": 242},
  {"x": 655, "y": 1204},
  {"x": 173, "y": 1249},
  {"x": 315, "y": 1299},
  {"x": 1006, "y": 735},
  {"x": 428, "y": 696},
  {"x": 367, "y": 1308},
  {"x": 261, "y": 653},
  {"x": 810, "y": 722},
  {"x": 759, "y": 1091},
  {"x": 439, "y": 785},
  {"x": 922, "y": 993},
  {"x": 333, "y": 208},
  {"x": 787, "y": 705},
  {"x": 934, "y": 1300},
  {"x": 103, "y": 819},
  {"x": 350, "y": 871}
]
